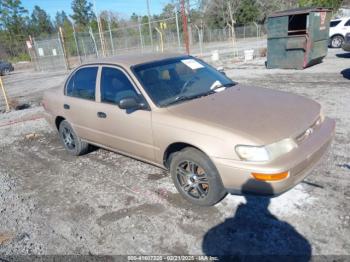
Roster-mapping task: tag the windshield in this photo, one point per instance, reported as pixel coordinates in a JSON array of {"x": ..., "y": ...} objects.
[{"x": 178, "y": 79}]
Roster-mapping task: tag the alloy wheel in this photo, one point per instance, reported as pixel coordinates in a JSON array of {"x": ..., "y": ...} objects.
[
  {"x": 337, "y": 42},
  {"x": 68, "y": 138},
  {"x": 192, "y": 179}
]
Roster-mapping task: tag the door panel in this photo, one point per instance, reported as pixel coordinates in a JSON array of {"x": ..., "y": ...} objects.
[
  {"x": 80, "y": 102},
  {"x": 82, "y": 116},
  {"x": 127, "y": 132},
  {"x": 123, "y": 130}
]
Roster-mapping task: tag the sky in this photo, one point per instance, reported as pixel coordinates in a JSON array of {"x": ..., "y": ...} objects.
[{"x": 124, "y": 7}]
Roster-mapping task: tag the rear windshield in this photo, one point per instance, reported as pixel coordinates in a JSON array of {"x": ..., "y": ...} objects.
[{"x": 335, "y": 23}]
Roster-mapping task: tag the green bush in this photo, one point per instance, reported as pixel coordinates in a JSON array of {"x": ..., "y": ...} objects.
[{"x": 20, "y": 57}]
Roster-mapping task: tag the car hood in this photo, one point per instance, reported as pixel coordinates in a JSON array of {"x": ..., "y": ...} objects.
[{"x": 263, "y": 115}]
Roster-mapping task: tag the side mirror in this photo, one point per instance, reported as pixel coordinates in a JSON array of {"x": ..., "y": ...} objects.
[
  {"x": 221, "y": 70},
  {"x": 128, "y": 103}
]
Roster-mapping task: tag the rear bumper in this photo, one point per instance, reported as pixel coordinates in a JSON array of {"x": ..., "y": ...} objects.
[
  {"x": 236, "y": 175},
  {"x": 50, "y": 119}
]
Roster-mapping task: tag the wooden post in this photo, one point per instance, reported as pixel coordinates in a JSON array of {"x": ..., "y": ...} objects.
[
  {"x": 5, "y": 95},
  {"x": 161, "y": 39},
  {"x": 102, "y": 39},
  {"x": 232, "y": 25}
]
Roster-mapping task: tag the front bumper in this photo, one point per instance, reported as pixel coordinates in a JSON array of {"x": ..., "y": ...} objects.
[
  {"x": 236, "y": 175},
  {"x": 346, "y": 46}
]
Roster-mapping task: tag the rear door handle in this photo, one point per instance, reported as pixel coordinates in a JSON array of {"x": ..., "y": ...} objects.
[
  {"x": 101, "y": 115},
  {"x": 65, "y": 106}
]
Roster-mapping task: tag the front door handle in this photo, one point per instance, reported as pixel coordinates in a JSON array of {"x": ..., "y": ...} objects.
[
  {"x": 101, "y": 115},
  {"x": 66, "y": 106}
]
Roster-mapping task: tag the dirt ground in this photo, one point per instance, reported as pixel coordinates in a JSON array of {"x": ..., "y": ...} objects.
[{"x": 105, "y": 203}]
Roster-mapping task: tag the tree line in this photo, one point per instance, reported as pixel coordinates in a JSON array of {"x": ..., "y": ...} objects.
[{"x": 17, "y": 24}]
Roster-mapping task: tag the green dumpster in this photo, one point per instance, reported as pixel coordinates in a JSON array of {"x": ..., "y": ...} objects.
[{"x": 297, "y": 38}]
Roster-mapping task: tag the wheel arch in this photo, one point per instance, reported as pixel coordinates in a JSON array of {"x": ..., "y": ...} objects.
[
  {"x": 176, "y": 147},
  {"x": 58, "y": 121},
  {"x": 336, "y": 34}
]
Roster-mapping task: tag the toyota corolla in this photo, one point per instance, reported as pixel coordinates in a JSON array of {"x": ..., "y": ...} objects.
[{"x": 179, "y": 113}]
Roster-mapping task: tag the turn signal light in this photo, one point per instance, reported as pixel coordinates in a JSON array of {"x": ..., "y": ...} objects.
[{"x": 270, "y": 177}]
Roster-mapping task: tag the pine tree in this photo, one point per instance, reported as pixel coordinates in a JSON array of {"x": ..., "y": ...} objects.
[
  {"x": 82, "y": 12},
  {"x": 247, "y": 12},
  {"x": 40, "y": 22},
  {"x": 13, "y": 27},
  {"x": 12, "y": 17},
  {"x": 60, "y": 19}
]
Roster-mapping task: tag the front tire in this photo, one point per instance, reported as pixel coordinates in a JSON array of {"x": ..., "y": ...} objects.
[
  {"x": 71, "y": 142},
  {"x": 196, "y": 178},
  {"x": 337, "y": 41}
]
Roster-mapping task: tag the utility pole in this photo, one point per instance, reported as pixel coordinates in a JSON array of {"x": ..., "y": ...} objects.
[
  {"x": 149, "y": 24},
  {"x": 184, "y": 26},
  {"x": 189, "y": 29}
]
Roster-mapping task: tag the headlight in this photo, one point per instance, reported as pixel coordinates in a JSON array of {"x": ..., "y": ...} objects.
[
  {"x": 265, "y": 153},
  {"x": 252, "y": 153}
]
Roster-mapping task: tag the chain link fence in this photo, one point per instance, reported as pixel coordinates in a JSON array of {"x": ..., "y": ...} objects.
[
  {"x": 60, "y": 52},
  {"x": 48, "y": 54}
]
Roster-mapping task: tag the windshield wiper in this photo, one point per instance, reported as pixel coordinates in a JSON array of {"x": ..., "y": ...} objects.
[
  {"x": 182, "y": 98},
  {"x": 223, "y": 85},
  {"x": 211, "y": 91}
]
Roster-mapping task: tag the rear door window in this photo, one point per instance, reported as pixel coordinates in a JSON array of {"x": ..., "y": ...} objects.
[
  {"x": 335, "y": 23},
  {"x": 115, "y": 86},
  {"x": 347, "y": 23},
  {"x": 83, "y": 83}
]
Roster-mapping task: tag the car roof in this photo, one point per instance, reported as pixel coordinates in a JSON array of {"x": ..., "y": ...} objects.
[
  {"x": 129, "y": 60},
  {"x": 341, "y": 18}
]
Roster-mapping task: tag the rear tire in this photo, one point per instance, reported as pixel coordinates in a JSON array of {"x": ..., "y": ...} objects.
[
  {"x": 71, "y": 142},
  {"x": 337, "y": 41},
  {"x": 196, "y": 178}
]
